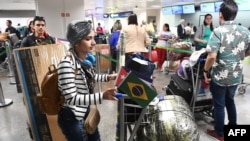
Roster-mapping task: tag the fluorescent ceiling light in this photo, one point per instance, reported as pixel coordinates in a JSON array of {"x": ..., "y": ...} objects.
[{"x": 156, "y": 6}]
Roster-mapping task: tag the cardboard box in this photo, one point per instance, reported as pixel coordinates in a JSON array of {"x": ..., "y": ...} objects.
[{"x": 32, "y": 64}]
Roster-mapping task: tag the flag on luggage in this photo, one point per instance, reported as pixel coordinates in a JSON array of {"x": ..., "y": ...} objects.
[
  {"x": 122, "y": 73},
  {"x": 137, "y": 90}
]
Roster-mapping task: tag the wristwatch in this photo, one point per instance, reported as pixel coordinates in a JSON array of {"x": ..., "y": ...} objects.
[{"x": 205, "y": 71}]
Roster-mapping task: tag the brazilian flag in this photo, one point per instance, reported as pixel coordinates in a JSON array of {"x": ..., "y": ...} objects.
[{"x": 137, "y": 90}]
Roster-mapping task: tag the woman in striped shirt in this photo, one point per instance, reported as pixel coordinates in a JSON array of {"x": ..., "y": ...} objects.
[{"x": 76, "y": 79}]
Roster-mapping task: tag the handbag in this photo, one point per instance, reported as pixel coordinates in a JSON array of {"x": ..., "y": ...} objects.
[
  {"x": 140, "y": 64},
  {"x": 92, "y": 120}
]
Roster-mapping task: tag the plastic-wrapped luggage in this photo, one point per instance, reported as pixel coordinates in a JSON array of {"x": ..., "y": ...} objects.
[
  {"x": 170, "y": 120},
  {"x": 173, "y": 55}
]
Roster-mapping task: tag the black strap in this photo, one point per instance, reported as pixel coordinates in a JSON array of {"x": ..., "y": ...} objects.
[{"x": 217, "y": 37}]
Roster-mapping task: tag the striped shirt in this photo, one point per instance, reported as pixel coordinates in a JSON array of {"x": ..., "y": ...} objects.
[{"x": 74, "y": 88}]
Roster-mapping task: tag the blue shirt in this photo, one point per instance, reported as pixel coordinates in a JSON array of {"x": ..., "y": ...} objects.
[
  {"x": 230, "y": 42},
  {"x": 114, "y": 40}
]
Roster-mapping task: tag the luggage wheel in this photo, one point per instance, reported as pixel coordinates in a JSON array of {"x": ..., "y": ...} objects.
[
  {"x": 208, "y": 112},
  {"x": 242, "y": 89}
]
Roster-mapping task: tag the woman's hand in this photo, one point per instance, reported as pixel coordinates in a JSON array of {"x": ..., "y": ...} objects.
[
  {"x": 112, "y": 76},
  {"x": 204, "y": 42},
  {"x": 109, "y": 94}
]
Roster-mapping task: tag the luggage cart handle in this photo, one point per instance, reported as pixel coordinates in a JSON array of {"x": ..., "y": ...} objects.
[
  {"x": 201, "y": 60},
  {"x": 119, "y": 95}
]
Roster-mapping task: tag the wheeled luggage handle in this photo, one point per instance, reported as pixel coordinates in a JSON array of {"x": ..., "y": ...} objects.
[
  {"x": 119, "y": 95},
  {"x": 202, "y": 60}
]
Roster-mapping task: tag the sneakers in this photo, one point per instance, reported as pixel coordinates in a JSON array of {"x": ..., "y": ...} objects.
[{"x": 213, "y": 134}]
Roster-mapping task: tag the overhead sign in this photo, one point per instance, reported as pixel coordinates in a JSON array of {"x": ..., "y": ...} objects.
[
  {"x": 121, "y": 14},
  {"x": 114, "y": 15},
  {"x": 105, "y": 15}
]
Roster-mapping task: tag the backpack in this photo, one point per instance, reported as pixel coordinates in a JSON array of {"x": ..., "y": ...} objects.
[{"x": 50, "y": 99}]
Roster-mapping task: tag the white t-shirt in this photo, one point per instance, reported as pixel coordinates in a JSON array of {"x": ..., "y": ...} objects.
[
  {"x": 188, "y": 30},
  {"x": 164, "y": 34}
]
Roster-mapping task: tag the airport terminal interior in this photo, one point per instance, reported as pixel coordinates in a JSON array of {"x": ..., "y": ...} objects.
[{"x": 21, "y": 71}]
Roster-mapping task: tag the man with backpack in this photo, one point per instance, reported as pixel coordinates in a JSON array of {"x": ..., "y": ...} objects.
[{"x": 40, "y": 36}]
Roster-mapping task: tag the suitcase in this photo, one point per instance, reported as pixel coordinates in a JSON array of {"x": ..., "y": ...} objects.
[
  {"x": 178, "y": 86},
  {"x": 171, "y": 120}
]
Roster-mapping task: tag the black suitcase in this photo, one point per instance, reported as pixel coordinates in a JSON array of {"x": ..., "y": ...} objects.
[{"x": 178, "y": 86}]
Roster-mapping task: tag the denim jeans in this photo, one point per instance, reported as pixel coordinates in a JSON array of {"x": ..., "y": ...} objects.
[
  {"x": 223, "y": 96},
  {"x": 73, "y": 128}
]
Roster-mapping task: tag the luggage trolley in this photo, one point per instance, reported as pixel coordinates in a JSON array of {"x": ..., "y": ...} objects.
[
  {"x": 205, "y": 105},
  {"x": 129, "y": 114},
  {"x": 190, "y": 89}
]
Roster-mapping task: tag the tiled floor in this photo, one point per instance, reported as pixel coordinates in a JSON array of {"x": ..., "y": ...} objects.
[{"x": 13, "y": 118}]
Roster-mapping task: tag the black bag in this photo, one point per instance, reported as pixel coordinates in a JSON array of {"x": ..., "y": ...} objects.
[
  {"x": 140, "y": 64},
  {"x": 180, "y": 87}
]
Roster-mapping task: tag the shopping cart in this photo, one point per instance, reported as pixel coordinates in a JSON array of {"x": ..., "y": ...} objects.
[{"x": 130, "y": 117}]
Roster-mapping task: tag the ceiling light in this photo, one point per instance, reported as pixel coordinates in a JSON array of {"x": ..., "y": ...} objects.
[{"x": 156, "y": 6}]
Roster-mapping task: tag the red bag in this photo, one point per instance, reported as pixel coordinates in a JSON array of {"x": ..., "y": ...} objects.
[{"x": 154, "y": 56}]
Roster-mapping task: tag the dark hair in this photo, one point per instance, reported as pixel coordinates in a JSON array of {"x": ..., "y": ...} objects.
[
  {"x": 38, "y": 18},
  {"x": 194, "y": 28},
  {"x": 30, "y": 23},
  {"x": 29, "y": 28},
  {"x": 167, "y": 26},
  {"x": 204, "y": 22},
  {"x": 229, "y": 10},
  {"x": 132, "y": 19},
  {"x": 9, "y": 21}
]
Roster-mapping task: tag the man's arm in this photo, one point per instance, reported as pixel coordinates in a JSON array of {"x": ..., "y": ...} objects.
[
  {"x": 212, "y": 48},
  {"x": 211, "y": 57}
]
